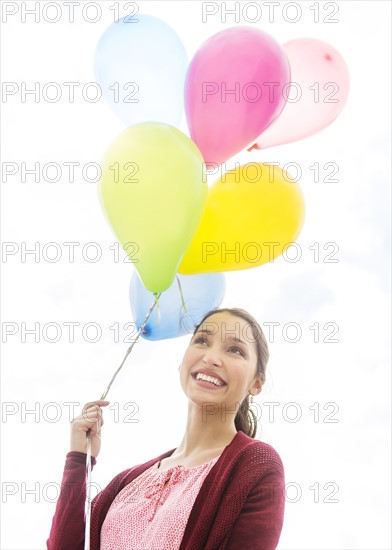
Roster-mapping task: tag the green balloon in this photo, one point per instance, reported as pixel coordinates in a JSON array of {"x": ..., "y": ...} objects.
[{"x": 153, "y": 192}]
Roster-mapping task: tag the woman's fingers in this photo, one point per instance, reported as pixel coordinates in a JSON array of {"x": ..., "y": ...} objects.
[
  {"x": 91, "y": 414},
  {"x": 99, "y": 402},
  {"x": 90, "y": 420}
]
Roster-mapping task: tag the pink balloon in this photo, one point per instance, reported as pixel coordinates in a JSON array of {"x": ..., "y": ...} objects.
[
  {"x": 320, "y": 84},
  {"x": 233, "y": 90}
]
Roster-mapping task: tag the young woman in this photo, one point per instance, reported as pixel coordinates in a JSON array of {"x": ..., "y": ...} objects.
[{"x": 219, "y": 489}]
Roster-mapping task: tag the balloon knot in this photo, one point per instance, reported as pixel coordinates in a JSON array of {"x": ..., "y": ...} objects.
[{"x": 254, "y": 146}]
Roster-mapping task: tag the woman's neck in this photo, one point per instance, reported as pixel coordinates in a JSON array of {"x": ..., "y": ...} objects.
[{"x": 206, "y": 433}]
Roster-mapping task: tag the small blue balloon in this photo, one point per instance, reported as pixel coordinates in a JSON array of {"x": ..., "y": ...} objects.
[
  {"x": 140, "y": 64},
  {"x": 200, "y": 293}
]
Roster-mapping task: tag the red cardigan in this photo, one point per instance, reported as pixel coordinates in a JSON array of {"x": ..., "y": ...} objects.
[{"x": 240, "y": 504}]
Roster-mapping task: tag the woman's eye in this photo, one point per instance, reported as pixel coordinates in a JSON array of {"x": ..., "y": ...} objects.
[
  {"x": 237, "y": 350},
  {"x": 200, "y": 340}
]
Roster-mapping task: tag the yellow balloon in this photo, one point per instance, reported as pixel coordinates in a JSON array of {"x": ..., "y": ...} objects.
[
  {"x": 153, "y": 192},
  {"x": 252, "y": 215}
]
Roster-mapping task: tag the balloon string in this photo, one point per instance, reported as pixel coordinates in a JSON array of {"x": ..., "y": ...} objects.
[
  {"x": 158, "y": 308},
  {"x": 87, "y": 504},
  {"x": 87, "y": 513},
  {"x": 182, "y": 296},
  {"x": 133, "y": 343}
]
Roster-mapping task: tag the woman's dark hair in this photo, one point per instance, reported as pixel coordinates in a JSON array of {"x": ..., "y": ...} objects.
[{"x": 246, "y": 420}]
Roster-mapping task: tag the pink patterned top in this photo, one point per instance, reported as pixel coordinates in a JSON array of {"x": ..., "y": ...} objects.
[{"x": 152, "y": 511}]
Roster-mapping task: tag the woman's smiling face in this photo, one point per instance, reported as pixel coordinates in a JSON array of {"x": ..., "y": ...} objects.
[{"x": 220, "y": 362}]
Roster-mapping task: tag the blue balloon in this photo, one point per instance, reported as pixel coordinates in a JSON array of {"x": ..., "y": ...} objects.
[
  {"x": 200, "y": 292},
  {"x": 140, "y": 64}
]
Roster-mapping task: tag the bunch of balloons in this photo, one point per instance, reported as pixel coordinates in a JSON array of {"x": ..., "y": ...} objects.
[{"x": 242, "y": 90}]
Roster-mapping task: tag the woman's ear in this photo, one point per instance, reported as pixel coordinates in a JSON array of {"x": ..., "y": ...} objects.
[{"x": 256, "y": 386}]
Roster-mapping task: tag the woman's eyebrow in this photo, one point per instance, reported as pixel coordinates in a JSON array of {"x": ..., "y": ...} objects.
[
  {"x": 235, "y": 339},
  {"x": 212, "y": 332}
]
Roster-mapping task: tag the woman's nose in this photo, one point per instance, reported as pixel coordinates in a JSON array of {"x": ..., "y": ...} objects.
[{"x": 211, "y": 357}]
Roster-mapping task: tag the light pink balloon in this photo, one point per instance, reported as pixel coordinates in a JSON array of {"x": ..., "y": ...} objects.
[
  {"x": 233, "y": 90},
  {"x": 320, "y": 84}
]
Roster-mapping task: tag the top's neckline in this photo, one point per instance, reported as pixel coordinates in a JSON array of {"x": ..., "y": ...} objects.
[
  {"x": 182, "y": 467},
  {"x": 238, "y": 437}
]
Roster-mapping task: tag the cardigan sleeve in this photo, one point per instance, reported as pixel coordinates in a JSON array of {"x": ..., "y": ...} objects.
[
  {"x": 68, "y": 526},
  {"x": 68, "y": 521},
  {"x": 260, "y": 521}
]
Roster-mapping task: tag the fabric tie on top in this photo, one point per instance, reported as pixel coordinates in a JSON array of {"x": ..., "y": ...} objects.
[{"x": 160, "y": 488}]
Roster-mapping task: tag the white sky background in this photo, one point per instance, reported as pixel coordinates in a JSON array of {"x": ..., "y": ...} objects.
[{"x": 353, "y": 453}]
